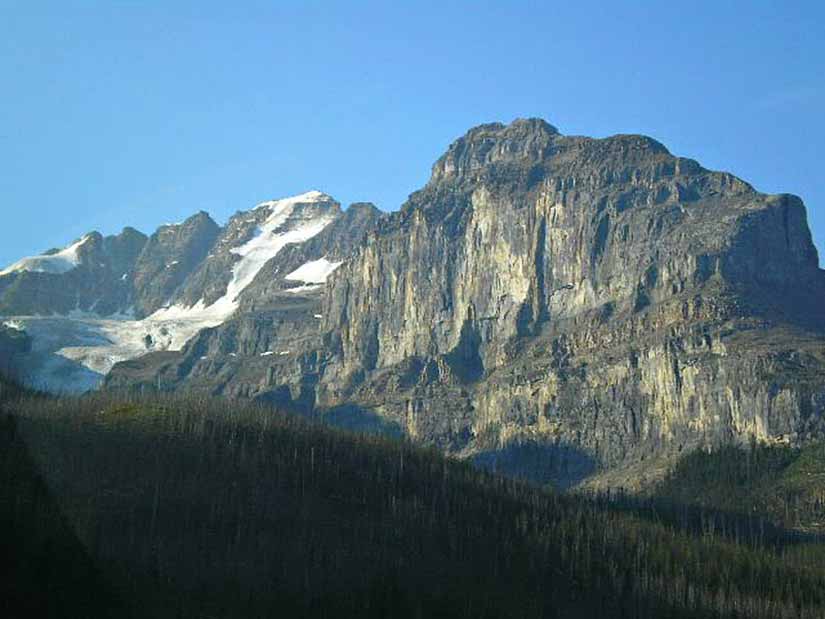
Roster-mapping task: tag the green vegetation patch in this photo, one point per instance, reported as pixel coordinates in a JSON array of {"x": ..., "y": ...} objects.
[
  {"x": 207, "y": 508},
  {"x": 785, "y": 484}
]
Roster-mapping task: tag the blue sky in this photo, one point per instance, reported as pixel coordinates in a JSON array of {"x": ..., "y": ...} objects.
[{"x": 130, "y": 113}]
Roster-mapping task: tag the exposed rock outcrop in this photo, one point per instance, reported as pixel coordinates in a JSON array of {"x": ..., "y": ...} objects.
[
  {"x": 263, "y": 272},
  {"x": 600, "y": 301},
  {"x": 89, "y": 276},
  {"x": 550, "y": 304},
  {"x": 168, "y": 258},
  {"x": 599, "y": 296}
]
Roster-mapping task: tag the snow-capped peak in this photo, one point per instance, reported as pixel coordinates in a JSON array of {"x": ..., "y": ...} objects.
[
  {"x": 272, "y": 234},
  {"x": 91, "y": 345},
  {"x": 61, "y": 262},
  {"x": 305, "y": 198}
]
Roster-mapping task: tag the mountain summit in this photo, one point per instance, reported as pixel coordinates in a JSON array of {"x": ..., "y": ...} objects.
[
  {"x": 93, "y": 304},
  {"x": 598, "y": 303}
]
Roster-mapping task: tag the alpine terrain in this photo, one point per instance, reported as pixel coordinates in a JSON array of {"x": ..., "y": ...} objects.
[{"x": 564, "y": 308}]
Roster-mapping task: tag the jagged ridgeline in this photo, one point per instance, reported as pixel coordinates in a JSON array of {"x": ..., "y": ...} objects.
[{"x": 551, "y": 305}]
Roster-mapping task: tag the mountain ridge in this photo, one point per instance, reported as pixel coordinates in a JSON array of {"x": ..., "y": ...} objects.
[
  {"x": 185, "y": 277},
  {"x": 599, "y": 300}
]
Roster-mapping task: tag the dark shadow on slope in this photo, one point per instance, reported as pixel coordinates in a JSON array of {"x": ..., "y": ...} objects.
[
  {"x": 49, "y": 573},
  {"x": 465, "y": 359},
  {"x": 52, "y": 373},
  {"x": 755, "y": 530},
  {"x": 283, "y": 399},
  {"x": 358, "y": 419},
  {"x": 562, "y": 466},
  {"x": 214, "y": 512}
]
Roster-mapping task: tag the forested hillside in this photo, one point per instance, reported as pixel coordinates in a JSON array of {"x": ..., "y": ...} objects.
[
  {"x": 783, "y": 484},
  {"x": 202, "y": 508},
  {"x": 47, "y": 571}
]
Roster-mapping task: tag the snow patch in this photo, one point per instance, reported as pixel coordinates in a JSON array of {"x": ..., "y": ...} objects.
[
  {"x": 61, "y": 262},
  {"x": 74, "y": 353},
  {"x": 305, "y": 198},
  {"x": 304, "y": 288},
  {"x": 254, "y": 254},
  {"x": 314, "y": 272}
]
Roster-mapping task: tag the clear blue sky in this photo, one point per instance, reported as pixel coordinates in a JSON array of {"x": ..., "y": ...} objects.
[{"x": 139, "y": 113}]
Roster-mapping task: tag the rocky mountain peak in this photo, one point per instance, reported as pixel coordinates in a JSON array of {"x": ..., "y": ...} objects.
[
  {"x": 312, "y": 197},
  {"x": 169, "y": 256},
  {"x": 361, "y": 213},
  {"x": 362, "y": 208},
  {"x": 198, "y": 219},
  {"x": 521, "y": 141},
  {"x": 600, "y": 298},
  {"x": 200, "y": 216},
  {"x": 130, "y": 233}
]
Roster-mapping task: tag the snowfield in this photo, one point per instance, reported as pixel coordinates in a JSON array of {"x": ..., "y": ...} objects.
[
  {"x": 72, "y": 354},
  {"x": 314, "y": 272},
  {"x": 60, "y": 262},
  {"x": 254, "y": 254}
]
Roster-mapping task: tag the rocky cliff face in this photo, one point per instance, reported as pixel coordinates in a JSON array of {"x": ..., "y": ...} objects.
[
  {"x": 600, "y": 298},
  {"x": 552, "y": 305},
  {"x": 13, "y": 343},
  {"x": 168, "y": 258},
  {"x": 521, "y": 228}
]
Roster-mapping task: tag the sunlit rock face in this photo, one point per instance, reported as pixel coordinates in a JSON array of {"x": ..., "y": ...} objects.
[
  {"x": 598, "y": 299},
  {"x": 602, "y": 295}
]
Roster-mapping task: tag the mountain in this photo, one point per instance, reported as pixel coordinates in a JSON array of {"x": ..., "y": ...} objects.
[
  {"x": 554, "y": 306},
  {"x": 570, "y": 303},
  {"x": 169, "y": 256},
  {"x": 184, "y": 278},
  {"x": 89, "y": 275},
  {"x": 601, "y": 298}
]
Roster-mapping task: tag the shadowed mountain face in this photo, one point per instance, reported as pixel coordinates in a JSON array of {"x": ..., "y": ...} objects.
[
  {"x": 90, "y": 275},
  {"x": 14, "y": 345},
  {"x": 169, "y": 256},
  {"x": 599, "y": 299}
]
